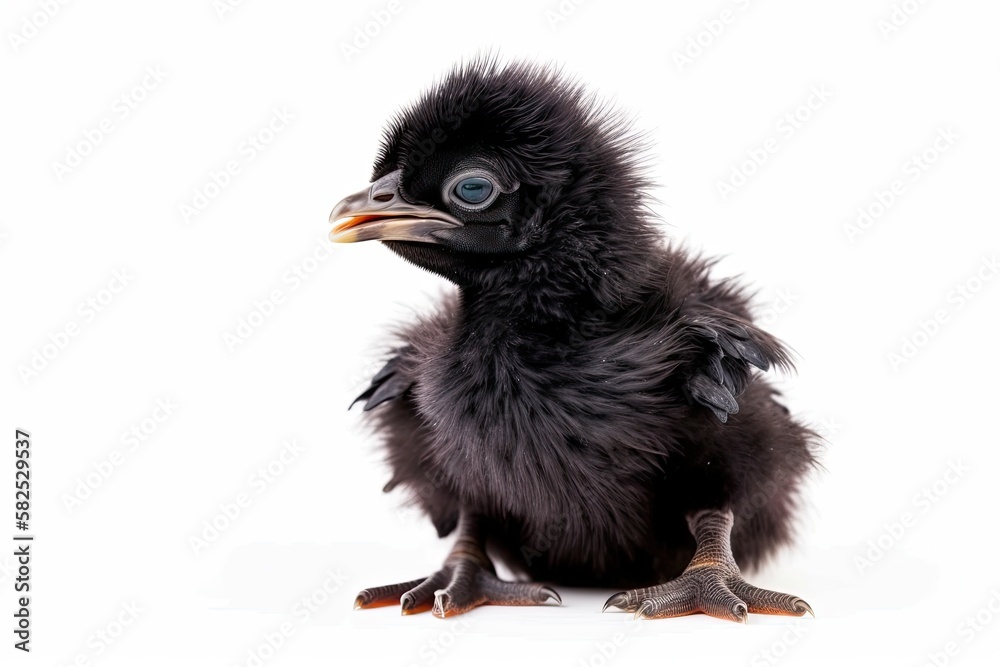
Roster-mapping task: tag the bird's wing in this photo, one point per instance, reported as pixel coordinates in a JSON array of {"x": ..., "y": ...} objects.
[
  {"x": 389, "y": 383},
  {"x": 728, "y": 349}
]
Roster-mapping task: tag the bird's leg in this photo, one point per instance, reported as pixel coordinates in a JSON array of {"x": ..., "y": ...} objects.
[
  {"x": 466, "y": 580},
  {"x": 710, "y": 584}
]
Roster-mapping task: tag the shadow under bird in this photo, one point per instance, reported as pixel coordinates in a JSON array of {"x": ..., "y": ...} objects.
[{"x": 586, "y": 408}]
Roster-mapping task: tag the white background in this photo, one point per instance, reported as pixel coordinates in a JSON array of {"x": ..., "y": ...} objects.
[{"x": 843, "y": 303}]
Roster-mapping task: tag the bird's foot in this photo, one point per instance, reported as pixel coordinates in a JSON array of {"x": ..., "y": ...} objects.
[
  {"x": 716, "y": 589},
  {"x": 462, "y": 584}
]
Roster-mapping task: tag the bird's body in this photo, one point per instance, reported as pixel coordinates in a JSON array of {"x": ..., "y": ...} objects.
[
  {"x": 578, "y": 447},
  {"x": 572, "y": 409}
]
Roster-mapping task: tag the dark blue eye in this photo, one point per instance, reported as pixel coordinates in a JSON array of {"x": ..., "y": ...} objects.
[{"x": 474, "y": 190}]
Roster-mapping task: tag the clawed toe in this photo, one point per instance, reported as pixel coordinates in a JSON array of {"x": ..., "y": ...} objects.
[
  {"x": 617, "y": 601},
  {"x": 456, "y": 589},
  {"x": 716, "y": 591},
  {"x": 763, "y": 601},
  {"x": 551, "y": 595},
  {"x": 381, "y": 596}
]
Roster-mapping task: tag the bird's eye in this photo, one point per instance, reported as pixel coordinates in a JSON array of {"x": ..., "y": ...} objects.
[{"x": 474, "y": 190}]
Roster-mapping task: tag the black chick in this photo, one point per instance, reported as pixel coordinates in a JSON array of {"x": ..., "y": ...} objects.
[{"x": 572, "y": 410}]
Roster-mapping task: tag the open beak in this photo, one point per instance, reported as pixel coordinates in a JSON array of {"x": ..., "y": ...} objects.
[{"x": 379, "y": 212}]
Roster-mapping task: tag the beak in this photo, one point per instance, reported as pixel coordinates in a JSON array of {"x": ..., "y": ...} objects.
[{"x": 379, "y": 212}]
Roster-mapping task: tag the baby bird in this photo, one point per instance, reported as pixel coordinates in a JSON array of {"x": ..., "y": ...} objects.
[{"x": 586, "y": 408}]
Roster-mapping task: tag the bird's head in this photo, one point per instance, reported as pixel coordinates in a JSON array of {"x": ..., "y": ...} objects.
[{"x": 505, "y": 174}]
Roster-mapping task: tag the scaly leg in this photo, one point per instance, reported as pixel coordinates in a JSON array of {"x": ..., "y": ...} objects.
[
  {"x": 710, "y": 584},
  {"x": 466, "y": 580}
]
